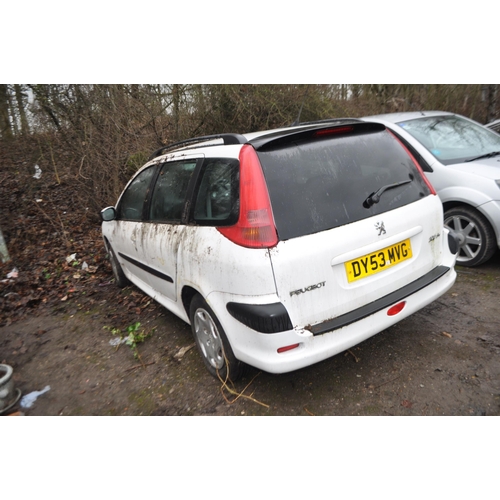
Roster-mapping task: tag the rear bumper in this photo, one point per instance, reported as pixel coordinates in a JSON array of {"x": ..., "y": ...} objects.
[
  {"x": 380, "y": 304},
  {"x": 327, "y": 339}
]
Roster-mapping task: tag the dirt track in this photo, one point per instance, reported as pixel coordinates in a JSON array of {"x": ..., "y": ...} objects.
[{"x": 444, "y": 360}]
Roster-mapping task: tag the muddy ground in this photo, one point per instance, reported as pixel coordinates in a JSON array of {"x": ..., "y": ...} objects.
[
  {"x": 444, "y": 360},
  {"x": 60, "y": 314}
]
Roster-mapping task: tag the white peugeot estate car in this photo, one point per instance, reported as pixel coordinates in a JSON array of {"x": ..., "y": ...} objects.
[
  {"x": 283, "y": 248},
  {"x": 461, "y": 159}
]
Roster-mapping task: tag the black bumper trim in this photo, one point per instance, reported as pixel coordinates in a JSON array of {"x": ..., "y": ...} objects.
[
  {"x": 264, "y": 318},
  {"x": 379, "y": 304}
]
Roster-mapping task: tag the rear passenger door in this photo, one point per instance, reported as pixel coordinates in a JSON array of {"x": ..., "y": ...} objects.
[{"x": 162, "y": 233}]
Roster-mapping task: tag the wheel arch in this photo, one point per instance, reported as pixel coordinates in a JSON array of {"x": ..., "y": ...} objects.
[
  {"x": 466, "y": 191},
  {"x": 448, "y": 205},
  {"x": 120, "y": 277},
  {"x": 477, "y": 239},
  {"x": 106, "y": 243},
  {"x": 187, "y": 296}
]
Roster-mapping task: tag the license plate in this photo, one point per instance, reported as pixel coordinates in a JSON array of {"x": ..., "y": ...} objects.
[{"x": 378, "y": 261}]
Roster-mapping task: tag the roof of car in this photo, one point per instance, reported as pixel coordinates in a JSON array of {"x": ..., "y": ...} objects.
[
  {"x": 408, "y": 115},
  {"x": 299, "y": 126},
  {"x": 262, "y": 137}
]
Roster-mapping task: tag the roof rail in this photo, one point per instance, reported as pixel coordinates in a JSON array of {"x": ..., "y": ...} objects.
[{"x": 227, "y": 139}]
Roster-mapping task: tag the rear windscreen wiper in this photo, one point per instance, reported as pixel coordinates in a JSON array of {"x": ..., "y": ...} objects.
[
  {"x": 375, "y": 197},
  {"x": 487, "y": 155}
]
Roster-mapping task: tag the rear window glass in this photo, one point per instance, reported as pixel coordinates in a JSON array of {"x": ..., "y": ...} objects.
[{"x": 323, "y": 184}]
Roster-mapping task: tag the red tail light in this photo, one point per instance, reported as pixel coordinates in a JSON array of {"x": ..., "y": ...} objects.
[
  {"x": 429, "y": 185},
  {"x": 255, "y": 227}
]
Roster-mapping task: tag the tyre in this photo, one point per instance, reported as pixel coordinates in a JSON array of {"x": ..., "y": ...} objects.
[
  {"x": 212, "y": 342},
  {"x": 120, "y": 279},
  {"x": 475, "y": 236}
]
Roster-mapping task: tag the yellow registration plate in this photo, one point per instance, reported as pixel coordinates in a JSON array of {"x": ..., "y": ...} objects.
[{"x": 378, "y": 261}]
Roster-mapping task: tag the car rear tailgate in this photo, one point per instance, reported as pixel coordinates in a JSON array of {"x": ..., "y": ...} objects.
[{"x": 356, "y": 264}]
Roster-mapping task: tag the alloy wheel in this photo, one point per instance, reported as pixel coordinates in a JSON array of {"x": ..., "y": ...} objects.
[{"x": 468, "y": 236}]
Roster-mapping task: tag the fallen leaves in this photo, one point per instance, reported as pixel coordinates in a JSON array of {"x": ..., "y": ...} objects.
[{"x": 47, "y": 272}]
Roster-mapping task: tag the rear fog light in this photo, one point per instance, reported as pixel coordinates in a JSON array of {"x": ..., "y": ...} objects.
[
  {"x": 396, "y": 309},
  {"x": 287, "y": 348}
]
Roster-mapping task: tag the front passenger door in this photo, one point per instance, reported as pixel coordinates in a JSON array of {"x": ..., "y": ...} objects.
[{"x": 126, "y": 240}]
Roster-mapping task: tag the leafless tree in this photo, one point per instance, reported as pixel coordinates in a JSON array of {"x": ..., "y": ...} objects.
[
  {"x": 98, "y": 135},
  {"x": 5, "y": 125}
]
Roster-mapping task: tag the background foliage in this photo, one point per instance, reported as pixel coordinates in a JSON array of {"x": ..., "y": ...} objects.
[{"x": 96, "y": 136}]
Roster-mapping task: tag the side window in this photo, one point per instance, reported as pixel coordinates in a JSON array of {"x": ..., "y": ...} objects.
[
  {"x": 169, "y": 194},
  {"x": 217, "y": 199},
  {"x": 132, "y": 200}
]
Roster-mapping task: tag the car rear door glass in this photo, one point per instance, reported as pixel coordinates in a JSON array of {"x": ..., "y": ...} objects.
[
  {"x": 217, "y": 196},
  {"x": 132, "y": 201},
  {"x": 169, "y": 193},
  {"x": 322, "y": 184}
]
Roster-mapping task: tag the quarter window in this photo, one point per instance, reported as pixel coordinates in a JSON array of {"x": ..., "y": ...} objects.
[{"x": 217, "y": 199}]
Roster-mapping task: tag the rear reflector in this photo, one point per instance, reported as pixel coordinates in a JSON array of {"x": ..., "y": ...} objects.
[
  {"x": 288, "y": 348},
  {"x": 396, "y": 309}
]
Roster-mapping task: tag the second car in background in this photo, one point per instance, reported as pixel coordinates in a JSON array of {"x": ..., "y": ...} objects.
[{"x": 461, "y": 158}]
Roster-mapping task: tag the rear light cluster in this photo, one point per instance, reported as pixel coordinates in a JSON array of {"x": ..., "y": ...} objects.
[{"x": 255, "y": 227}]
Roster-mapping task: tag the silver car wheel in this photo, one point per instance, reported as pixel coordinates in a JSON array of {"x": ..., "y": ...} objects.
[
  {"x": 209, "y": 339},
  {"x": 468, "y": 236},
  {"x": 474, "y": 234}
]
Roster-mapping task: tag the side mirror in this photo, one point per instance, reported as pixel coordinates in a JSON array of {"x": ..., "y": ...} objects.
[{"x": 108, "y": 214}]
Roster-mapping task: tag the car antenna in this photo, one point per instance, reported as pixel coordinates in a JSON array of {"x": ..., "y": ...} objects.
[{"x": 297, "y": 121}]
